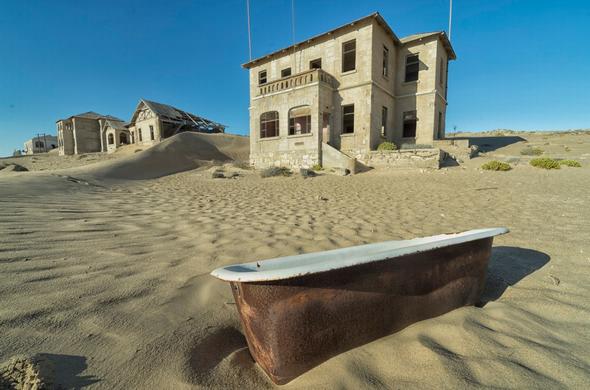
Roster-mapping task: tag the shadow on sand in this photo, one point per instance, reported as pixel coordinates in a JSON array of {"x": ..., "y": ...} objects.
[
  {"x": 488, "y": 144},
  {"x": 509, "y": 265},
  {"x": 67, "y": 370}
]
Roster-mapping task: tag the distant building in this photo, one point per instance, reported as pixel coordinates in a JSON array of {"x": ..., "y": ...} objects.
[
  {"x": 41, "y": 144},
  {"x": 344, "y": 92},
  {"x": 82, "y": 133},
  {"x": 152, "y": 122}
]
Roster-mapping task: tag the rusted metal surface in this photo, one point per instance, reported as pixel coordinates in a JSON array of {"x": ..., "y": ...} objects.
[{"x": 295, "y": 324}]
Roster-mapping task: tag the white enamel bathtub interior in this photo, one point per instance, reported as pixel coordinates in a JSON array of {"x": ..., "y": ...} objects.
[{"x": 309, "y": 263}]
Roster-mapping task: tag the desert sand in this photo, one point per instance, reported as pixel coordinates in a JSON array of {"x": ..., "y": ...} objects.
[{"x": 105, "y": 267}]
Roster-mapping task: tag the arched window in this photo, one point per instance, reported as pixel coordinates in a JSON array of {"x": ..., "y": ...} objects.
[
  {"x": 300, "y": 120},
  {"x": 269, "y": 124},
  {"x": 122, "y": 138},
  {"x": 111, "y": 139}
]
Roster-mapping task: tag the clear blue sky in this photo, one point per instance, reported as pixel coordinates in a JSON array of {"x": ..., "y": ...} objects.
[{"x": 521, "y": 64}]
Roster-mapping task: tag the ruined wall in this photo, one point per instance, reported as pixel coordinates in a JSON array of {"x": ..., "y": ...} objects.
[
  {"x": 411, "y": 158},
  {"x": 65, "y": 137},
  {"x": 86, "y": 135},
  {"x": 144, "y": 127}
]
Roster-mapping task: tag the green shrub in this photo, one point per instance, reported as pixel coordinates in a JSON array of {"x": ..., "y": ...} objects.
[
  {"x": 545, "y": 163},
  {"x": 496, "y": 165},
  {"x": 275, "y": 171},
  {"x": 317, "y": 167},
  {"x": 570, "y": 163},
  {"x": 528, "y": 151},
  {"x": 387, "y": 146}
]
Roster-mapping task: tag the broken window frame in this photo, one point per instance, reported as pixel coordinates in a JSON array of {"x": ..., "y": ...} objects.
[
  {"x": 349, "y": 56},
  {"x": 262, "y": 77},
  {"x": 139, "y": 135},
  {"x": 348, "y": 119},
  {"x": 303, "y": 120},
  {"x": 152, "y": 134},
  {"x": 412, "y": 68},
  {"x": 269, "y": 119},
  {"x": 110, "y": 139},
  {"x": 410, "y": 124},
  {"x": 315, "y": 64}
]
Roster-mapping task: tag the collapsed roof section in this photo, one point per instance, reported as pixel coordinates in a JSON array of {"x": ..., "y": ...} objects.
[{"x": 178, "y": 117}]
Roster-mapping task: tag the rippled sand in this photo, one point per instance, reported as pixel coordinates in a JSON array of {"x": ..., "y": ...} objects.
[{"x": 110, "y": 278}]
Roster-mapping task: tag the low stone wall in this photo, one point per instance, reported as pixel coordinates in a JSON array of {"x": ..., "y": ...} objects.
[
  {"x": 457, "y": 149},
  {"x": 405, "y": 158},
  {"x": 290, "y": 159}
]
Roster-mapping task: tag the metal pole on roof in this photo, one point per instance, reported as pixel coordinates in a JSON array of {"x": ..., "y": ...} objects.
[
  {"x": 450, "y": 17},
  {"x": 293, "y": 34},
  {"x": 249, "y": 33}
]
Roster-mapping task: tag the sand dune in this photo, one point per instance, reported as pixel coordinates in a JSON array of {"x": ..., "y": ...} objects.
[
  {"x": 182, "y": 152},
  {"x": 109, "y": 280}
]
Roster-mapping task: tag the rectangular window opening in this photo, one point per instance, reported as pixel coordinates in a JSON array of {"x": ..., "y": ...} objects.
[
  {"x": 315, "y": 64},
  {"x": 349, "y": 56},
  {"x": 152, "y": 135},
  {"x": 384, "y": 121},
  {"x": 412, "y": 67},
  {"x": 286, "y": 72},
  {"x": 385, "y": 61},
  {"x": 348, "y": 119},
  {"x": 410, "y": 120},
  {"x": 262, "y": 77}
]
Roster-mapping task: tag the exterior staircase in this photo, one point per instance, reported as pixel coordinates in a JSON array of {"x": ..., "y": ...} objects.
[{"x": 334, "y": 159}]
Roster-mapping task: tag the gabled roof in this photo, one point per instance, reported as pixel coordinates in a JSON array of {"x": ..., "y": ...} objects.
[
  {"x": 116, "y": 124},
  {"x": 92, "y": 115},
  {"x": 378, "y": 18},
  {"x": 173, "y": 114},
  {"x": 439, "y": 34}
]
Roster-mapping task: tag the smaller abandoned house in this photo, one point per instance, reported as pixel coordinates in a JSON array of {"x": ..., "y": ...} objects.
[
  {"x": 113, "y": 134},
  {"x": 83, "y": 133},
  {"x": 152, "y": 122},
  {"x": 40, "y": 144}
]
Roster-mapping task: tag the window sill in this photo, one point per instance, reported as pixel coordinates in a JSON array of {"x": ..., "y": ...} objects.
[
  {"x": 300, "y": 135},
  {"x": 269, "y": 138},
  {"x": 411, "y": 82},
  {"x": 347, "y": 134},
  {"x": 348, "y": 72}
]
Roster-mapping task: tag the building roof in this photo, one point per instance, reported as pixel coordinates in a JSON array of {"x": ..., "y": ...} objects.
[
  {"x": 92, "y": 115},
  {"x": 378, "y": 18},
  {"x": 173, "y": 114},
  {"x": 440, "y": 35},
  {"x": 116, "y": 124}
]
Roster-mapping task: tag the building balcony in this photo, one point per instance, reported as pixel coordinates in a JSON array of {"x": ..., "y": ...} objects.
[{"x": 295, "y": 81}]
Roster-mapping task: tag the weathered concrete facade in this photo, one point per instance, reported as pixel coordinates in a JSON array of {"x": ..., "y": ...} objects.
[
  {"x": 113, "y": 135},
  {"x": 81, "y": 133},
  {"x": 40, "y": 144},
  {"x": 348, "y": 88},
  {"x": 152, "y": 122}
]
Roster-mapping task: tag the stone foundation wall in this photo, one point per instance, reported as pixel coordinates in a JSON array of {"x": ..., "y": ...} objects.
[
  {"x": 406, "y": 158},
  {"x": 291, "y": 159}
]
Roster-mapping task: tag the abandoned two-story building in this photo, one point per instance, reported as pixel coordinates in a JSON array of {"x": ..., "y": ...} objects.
[{"x": 342, "y": 93}]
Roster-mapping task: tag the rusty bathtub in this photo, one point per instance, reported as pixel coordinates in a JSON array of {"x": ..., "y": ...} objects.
[{"x": 299, "y": 311}]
